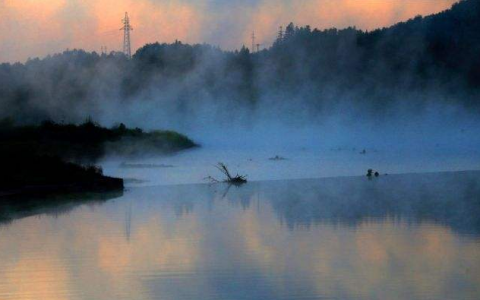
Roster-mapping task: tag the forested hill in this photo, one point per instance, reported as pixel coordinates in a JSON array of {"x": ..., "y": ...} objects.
[
  {"x": 433, "y": 58},
  {"x": 434, "y": 47}
]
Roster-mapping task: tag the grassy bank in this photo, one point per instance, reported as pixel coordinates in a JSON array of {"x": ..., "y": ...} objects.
[
  {"x": 58, "y": 158},
  {"x": 88, "y": 142}
]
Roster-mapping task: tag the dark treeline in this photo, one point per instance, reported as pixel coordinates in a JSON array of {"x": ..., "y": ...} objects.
[
  {"x": 436, "y": 57},
  {"x": 87, "y": 142},
  {"x": 45, "y": 158}
]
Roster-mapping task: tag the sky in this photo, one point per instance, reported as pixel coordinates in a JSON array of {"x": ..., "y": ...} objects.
[{"x": 36, "y": 28}]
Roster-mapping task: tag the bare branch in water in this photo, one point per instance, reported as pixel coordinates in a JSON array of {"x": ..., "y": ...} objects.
[{"x": 237, "y": 179}]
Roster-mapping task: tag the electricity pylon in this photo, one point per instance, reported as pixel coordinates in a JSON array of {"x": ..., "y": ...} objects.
[
  {"x": 253, "y": 41},
  {"x": 126, "y": 36}
]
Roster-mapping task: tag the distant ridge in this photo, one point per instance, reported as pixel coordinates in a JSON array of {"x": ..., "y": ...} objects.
[{"x": 433, "y": 59}]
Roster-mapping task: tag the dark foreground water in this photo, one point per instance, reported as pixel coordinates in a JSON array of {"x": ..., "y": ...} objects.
[{"x": 395, "y": 237}]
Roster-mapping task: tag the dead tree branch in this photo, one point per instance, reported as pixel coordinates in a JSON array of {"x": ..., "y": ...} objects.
[{"x": 237, "y": 179}]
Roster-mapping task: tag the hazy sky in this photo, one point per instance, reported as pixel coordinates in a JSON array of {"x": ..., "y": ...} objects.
[{"x": 30, "y": 28}]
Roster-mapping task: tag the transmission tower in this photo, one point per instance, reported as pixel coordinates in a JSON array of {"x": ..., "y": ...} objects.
[
  {"x": 126, "y": 36},
  {"x": 280, "y": 34},
  {"x": 253, "y": 41},
  {"x": 104, "y": 50}
]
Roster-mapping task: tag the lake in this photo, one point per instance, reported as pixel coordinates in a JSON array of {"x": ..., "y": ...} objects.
[{"x": 393, "y": 237}]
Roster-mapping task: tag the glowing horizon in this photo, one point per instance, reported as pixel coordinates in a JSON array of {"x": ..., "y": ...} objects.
[{"x": 36, "y": 28}]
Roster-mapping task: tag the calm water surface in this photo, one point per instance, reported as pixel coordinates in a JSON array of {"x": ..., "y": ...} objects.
[
  {"x": 191, "y": 167},
  {"x": 396, "y": 237}
]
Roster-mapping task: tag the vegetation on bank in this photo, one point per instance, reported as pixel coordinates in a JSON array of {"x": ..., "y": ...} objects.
[
  {"x": 55, "y": 157},
  {"x": 88, "y": 142}
]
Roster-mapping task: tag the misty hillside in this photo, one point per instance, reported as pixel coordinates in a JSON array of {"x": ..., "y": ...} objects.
[{"x": 424, "y": 60}]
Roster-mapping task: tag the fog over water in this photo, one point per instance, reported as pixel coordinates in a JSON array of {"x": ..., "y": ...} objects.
[
  {"x": 412, "y": 87},
  {"x": 430, "y": 141}
]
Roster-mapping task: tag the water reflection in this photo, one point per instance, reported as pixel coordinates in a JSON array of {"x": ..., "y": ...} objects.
[
  {"x": 17, "y": 207},
  {"x": 399, "y": 237},
  {"x": 450, "y": 199}
]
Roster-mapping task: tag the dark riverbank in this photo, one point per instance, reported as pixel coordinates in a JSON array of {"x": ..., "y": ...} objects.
[
  {"x": 89, "y": 141},
  {"x": 59, "y": 158},
  {"x": 33, "y": 175}
]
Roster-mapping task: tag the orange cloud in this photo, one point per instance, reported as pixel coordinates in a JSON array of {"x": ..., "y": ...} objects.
[
  {"x": 30, "y": 28},
  {"x": 152, "y": 21},
  {"x": 363, "y": 14}
]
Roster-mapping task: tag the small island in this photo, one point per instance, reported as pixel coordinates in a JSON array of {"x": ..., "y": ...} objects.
[{"x": 60, "y": 158}]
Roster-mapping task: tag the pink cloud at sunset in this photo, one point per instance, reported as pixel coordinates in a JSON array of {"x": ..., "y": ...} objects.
[{"x": 31, "y": 28}]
